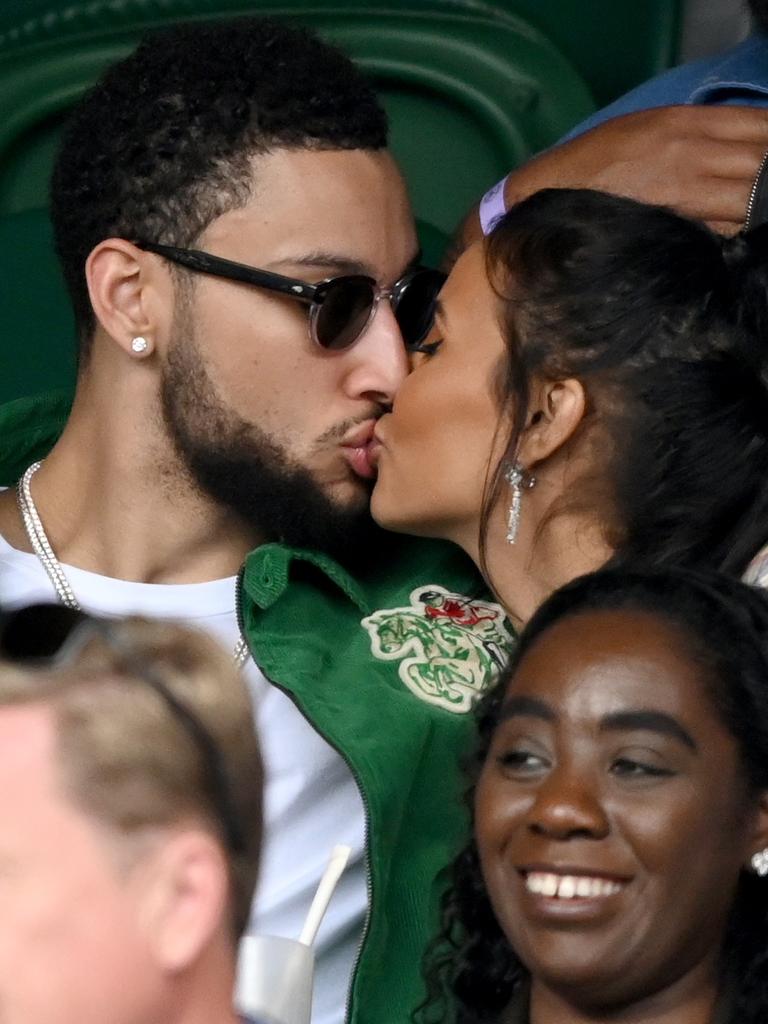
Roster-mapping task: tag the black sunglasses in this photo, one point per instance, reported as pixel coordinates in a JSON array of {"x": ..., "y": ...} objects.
[
  {"x": 52, "y": 635},
  {"x": 340, "y": 308}
]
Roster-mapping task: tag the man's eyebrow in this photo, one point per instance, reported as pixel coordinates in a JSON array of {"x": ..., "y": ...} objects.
[
  {"x": 337, "y": 263},
  {"x": 334, "y": 262},
  {"x": 528, "y": 707},
  {"x": 648, "y": 721}
]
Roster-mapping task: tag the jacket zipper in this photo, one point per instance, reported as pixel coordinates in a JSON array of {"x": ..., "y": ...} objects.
[{"x": 353, "y": 773}]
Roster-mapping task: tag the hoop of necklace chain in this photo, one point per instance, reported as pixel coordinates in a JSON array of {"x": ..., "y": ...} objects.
[{"x": 41, "y": 546}]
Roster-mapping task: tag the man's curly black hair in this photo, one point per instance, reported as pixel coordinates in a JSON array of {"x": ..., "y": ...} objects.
[
  {"x": 470, "y": 969},
  {"x": 162, "y": 144}
]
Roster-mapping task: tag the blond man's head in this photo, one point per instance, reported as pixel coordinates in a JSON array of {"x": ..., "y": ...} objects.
[{"x": 130, "y": 824}]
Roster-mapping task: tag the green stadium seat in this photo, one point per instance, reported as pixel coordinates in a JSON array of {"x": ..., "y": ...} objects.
[
  {"x": 614, "y": 45},
  {"x": 37, "y": 350}
]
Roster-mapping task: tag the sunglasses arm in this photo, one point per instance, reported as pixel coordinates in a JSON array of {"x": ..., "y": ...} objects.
[{"x": 205, "y": 263}]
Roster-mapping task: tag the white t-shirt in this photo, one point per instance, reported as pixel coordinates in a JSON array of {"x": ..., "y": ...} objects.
[{"x": 311, "y": 799}]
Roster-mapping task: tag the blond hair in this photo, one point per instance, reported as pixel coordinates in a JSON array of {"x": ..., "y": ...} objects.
[{"x": 128, "y": 761}]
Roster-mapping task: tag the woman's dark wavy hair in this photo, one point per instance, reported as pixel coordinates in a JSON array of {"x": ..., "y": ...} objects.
[
  {"x": 471, "y": 970},
  {"x": 665, "y": 324}
]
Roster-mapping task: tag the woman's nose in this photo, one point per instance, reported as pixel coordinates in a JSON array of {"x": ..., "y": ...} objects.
[{"x": 568, "y": 805}]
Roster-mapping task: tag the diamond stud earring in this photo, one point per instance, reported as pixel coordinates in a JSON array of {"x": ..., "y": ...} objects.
[
  {"x": 139, "y": 346},
  {"x": 759, "y": 863}
]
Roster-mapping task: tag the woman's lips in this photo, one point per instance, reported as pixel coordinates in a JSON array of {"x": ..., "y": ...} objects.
[
  {"x": 375, "y": 449},
  {"x": 570, "y": 894},
  {"x": 569, "y": 887},
  {"x": 377, "y": 444}
]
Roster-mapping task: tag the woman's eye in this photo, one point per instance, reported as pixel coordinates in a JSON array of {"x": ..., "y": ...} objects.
[
  {"x": 629, "y": 767},
  {"x": 522, "y": 761},
  {"x": 426, "y": 348}
]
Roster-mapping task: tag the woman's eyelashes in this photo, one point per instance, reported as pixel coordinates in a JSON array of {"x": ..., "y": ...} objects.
[
  {"x": 426, "y": 348},
  {"x": 639, "y": 767},
  {"x": 523, "y": 761}
]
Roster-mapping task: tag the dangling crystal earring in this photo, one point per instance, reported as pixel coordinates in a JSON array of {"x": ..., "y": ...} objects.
[
  {"x": 139, "y": 346},
  {"x": 759, "y": 863},
  {"x": 517, "y": 480}
]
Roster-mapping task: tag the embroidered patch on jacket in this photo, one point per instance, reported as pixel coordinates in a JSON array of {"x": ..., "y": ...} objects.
[{"x": 450, "y": 647}]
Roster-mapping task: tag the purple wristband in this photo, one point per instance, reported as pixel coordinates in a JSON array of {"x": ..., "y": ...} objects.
[{"x": 492, "y": 207}]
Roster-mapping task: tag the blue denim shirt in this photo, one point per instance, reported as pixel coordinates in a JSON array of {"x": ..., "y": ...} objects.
[{"x": 738, "y": 76}]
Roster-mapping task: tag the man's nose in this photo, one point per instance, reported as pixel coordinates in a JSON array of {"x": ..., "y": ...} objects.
[{"x": 378, "y": 361}]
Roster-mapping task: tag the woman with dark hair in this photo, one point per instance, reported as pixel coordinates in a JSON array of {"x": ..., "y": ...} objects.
[
  {"x": 593, "y": 391},
  {"x": 620, "y": 801}
]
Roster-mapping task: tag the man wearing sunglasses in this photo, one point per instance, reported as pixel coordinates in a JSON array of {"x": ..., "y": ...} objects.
[
  {"x": 244, "y": 270},
  {"x": 130, "y": 821}
]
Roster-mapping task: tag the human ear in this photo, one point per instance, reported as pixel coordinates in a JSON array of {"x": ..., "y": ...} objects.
[
  {"x": 186, "y": 898},
  {"x": 556, "y": 410},
  {"x": 122, "y": 286}
]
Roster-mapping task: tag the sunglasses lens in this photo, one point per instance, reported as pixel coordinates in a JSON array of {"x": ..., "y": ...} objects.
[
  {"x": 416, "y": 304},
  {"x": 344, "y": 311}
]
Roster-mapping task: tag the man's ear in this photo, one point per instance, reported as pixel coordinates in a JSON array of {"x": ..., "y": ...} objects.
[
  {"x": 556, "y": 410},
  {"x": 123, "y": 285},
  {"x": 185, "y": 897}
]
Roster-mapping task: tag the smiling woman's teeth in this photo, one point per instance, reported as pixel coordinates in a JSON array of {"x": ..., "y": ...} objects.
[{"x": 569, "y": 887}]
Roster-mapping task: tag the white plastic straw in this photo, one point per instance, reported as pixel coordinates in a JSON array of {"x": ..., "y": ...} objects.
[{"x": 336, "y": 865}]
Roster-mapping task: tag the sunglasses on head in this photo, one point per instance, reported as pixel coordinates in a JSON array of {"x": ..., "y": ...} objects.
[
  {"x": 52, "y": 636},
  {"x": 340, "y": 308}
]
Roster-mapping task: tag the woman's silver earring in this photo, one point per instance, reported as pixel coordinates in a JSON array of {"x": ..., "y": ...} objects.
[
  {"x": 759, "y": 863},
  {"x": 139, "y": 346},
  {"x": 517, "y": 480}
]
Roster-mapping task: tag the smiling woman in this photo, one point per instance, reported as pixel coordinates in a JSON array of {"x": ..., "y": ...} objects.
[{"x": 621, "y": 815}]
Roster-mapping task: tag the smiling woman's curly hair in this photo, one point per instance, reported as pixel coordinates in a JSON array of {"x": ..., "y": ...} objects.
[{"x": 471, "y": 970}]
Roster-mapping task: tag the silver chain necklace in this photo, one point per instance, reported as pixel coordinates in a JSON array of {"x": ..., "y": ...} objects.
[{"x": 41, "y": 546}]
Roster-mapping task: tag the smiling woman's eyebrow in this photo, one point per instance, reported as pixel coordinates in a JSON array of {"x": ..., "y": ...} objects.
[
  {"x": 528, "y": 707},
  {"x": 623, "y": 721},
  {"x": 648, "y": 721}
]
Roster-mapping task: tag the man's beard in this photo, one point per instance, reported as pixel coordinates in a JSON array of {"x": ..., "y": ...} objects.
[{"x": 244, "y": 469}]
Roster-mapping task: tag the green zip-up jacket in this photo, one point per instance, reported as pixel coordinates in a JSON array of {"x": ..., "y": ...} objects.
[{"x": 386, "y": 667}]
